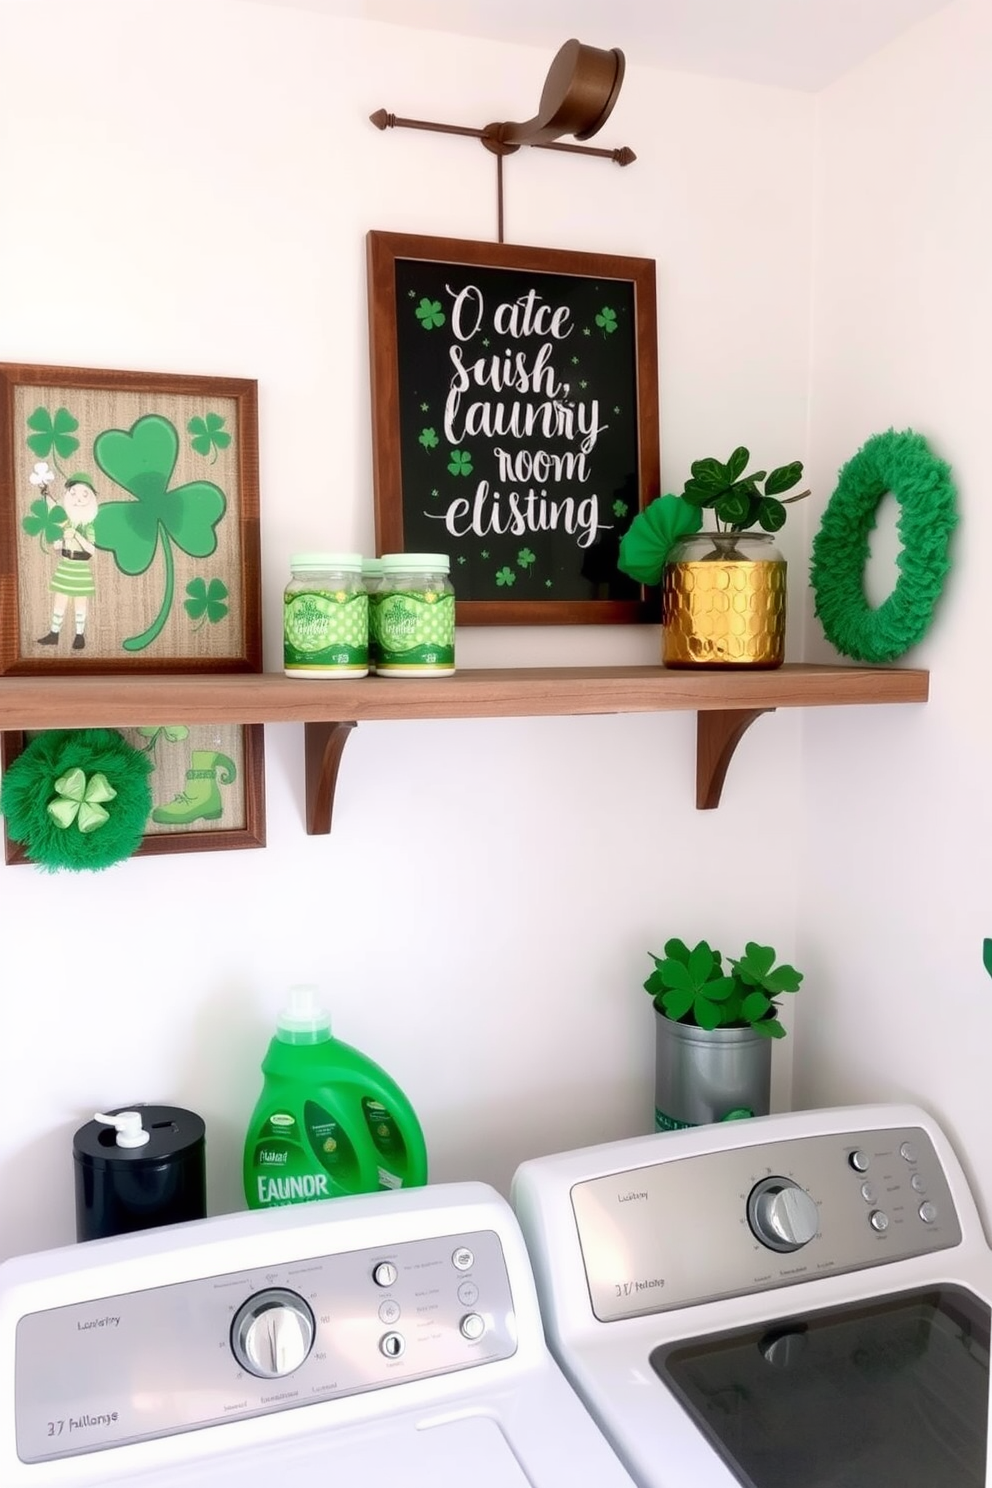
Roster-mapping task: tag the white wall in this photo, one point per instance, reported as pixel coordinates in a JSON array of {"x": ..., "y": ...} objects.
[
  {"x": 186, "y": 187},
  {"x": 896, "y": 842}
]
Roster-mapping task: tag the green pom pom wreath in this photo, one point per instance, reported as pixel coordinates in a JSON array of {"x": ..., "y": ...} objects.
[
  {"x": 903, "y": 465},
  {"x": 77, "y": 798}
]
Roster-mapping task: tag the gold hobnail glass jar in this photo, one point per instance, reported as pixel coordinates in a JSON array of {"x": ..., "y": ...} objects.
[{"x": 723, "y": 601}]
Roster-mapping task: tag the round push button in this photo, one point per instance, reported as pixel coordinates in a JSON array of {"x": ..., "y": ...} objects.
[
  {"x": 472, "y": 1326},
  {"x": 928, "y": 1212},
  {"x": 384, "y": 1274},
  {"x": 879, "y": 1220},
  {"x": 859, "y": 1161},
  {"x": 463, "y": 1259},
  {"x": 908, "y": 1152}
]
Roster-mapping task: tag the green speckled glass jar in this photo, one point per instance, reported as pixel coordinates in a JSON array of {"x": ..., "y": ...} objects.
[
  {"x": 326, "y": 617},
  {"x": 723, "y": 602},
  {"x": 414, "y": 616}
]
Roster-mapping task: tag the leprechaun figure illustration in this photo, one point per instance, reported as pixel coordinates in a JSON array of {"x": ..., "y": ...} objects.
[{"x": 73, "y": 576}]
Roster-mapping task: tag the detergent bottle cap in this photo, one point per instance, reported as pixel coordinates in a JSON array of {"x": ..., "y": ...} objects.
[
  {"x": 303, "y": 1020},
  {"x": 130, "y": 1132}
]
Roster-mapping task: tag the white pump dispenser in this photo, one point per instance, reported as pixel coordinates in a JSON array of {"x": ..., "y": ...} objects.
[{"x": 130, "y": 1132}]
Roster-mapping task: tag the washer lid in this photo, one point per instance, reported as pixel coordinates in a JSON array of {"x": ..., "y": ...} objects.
[{"x": 888, "y": 1390}]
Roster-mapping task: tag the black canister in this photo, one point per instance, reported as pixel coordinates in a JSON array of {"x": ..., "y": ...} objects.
[{"x": 138, "y": 1167}]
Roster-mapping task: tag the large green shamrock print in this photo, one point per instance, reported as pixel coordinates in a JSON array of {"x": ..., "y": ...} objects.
[{"x": 142, "y": 460}]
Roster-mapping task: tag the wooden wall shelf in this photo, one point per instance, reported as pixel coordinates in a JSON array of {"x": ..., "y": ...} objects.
[{"x": 726, "y": 703}]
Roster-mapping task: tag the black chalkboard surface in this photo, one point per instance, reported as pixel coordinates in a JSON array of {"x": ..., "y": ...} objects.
[{"x": 515, "y": 422}]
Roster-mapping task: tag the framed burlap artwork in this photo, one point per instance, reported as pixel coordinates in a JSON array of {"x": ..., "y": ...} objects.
[
  {"x": 129, "y": 522},
  {"x": 207, "y": 785}
]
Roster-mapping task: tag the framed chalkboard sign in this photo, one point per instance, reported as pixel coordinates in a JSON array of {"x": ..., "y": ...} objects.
[{"x": 514, "y": 421}]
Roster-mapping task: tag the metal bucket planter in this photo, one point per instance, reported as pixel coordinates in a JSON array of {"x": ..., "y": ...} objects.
[
  {"x": 703, "y": 1076},
  {"x": 723, "y": 602}
]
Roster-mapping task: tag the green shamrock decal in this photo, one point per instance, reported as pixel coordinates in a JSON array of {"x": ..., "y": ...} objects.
[
  {"x": 620, "y": 508},
  {"x": 607, "y": 320},
  {"x": 430, "y": 314},
  {"x": 45, "y": 522},
  {"x": 52, "y": 436},
  {"x": 505, "y": 576},
  {"x": 428, "y": 438},
  {"x": 208, "y": 434},
  {"x": 205, "y": 603},
  {"x": 525, "y": 558},
  {"x": 175, "y": 733},
  {"x": 460, "y": 463},
  {"x": 142, "y": 460}
]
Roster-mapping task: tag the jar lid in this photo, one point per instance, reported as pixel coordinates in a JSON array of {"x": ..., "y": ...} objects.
[
  {"x": 426, "y": 562},
  {"x": 371, "y": 565},
  {"x": 346, "y": 561}
]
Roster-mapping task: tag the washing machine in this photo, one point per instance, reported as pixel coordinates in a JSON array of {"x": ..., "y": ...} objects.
[
  {"x": 390, "y": 1338},
  {"x": 794, "y": 1301}
]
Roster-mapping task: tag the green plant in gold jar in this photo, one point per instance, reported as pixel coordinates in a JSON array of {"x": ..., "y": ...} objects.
[{"x": 723, "y": 591}]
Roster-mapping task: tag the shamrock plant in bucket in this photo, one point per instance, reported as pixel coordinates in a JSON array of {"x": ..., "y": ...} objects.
[
  {"x": 692, "y": 987},
  {"x": 714, "y": 614},
  {"x": 714, "y": 1029}
]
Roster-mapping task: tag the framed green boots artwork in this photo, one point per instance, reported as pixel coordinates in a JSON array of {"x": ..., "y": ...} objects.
[{"x": 207, "y": 784}]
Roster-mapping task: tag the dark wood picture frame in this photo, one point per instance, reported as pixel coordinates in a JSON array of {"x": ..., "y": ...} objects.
[
  {"x": 250, "y": 832},
  {"x": 63, "y": 415},
  {"x": 606, "y": 308}
]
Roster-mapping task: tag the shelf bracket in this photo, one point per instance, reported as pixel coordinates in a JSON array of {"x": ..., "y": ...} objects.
[
  {"x": 324, "y": 744},
  {"x": 718, "y": 733}
]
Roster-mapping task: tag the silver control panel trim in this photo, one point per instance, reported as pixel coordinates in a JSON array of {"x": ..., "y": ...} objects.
[
  {"x": 151, "y": 1363},
  {"x": 677, "y": 1233}
]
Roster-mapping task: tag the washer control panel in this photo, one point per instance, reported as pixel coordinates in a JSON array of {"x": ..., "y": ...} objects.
[
  {"x": 172, "y": 1358},
  {"x": 751, "y": 1218}
]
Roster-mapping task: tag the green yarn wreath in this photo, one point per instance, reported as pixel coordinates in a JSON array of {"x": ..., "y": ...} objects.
[
  {"x": 77, "y": 798},
  {"x": 903, "y": 465}
]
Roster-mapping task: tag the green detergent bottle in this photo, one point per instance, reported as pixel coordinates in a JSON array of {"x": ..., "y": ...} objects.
[{"x": 329, "y": 1121}]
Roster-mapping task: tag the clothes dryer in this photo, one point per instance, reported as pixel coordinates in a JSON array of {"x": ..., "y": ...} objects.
[
  {"x": 795, "y": 1301},
  {"x": 388, "y": 1338}
]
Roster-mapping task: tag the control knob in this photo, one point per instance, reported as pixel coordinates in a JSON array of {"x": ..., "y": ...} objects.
[
  {"x": 781, "y": 1214},
  {"x": 272, "y": 1333}
]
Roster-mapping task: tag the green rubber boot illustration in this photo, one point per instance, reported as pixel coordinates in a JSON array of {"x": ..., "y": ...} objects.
[{"x": 200, "y": 800}]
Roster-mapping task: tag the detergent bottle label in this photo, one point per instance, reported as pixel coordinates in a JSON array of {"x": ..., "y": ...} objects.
[
  {"x": 283, "y": 1169},
  {"x": 332, "y": 1147},
  {"x": 388, "y": 1142}
]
